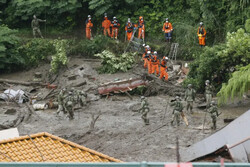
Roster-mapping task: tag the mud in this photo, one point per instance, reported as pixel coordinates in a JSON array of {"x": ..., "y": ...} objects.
[{"x": 119, "y": 132}]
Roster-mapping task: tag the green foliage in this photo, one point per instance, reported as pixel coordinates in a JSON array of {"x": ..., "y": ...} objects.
[
  {"x": 247, "y": 25},
  {"x": 218, "y": 62},
  {"x": 237, "y": 85},
  {"x": 112, "y": 63},
  {"x": 9, "y": 57},
  {"x": 36, "y": 51},
  {"x": 59, "y": 59}
]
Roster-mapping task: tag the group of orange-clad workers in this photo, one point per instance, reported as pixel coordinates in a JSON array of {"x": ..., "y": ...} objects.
[
  {"x": 152, "y": 63},
  {"x": 111, "y": 28}
]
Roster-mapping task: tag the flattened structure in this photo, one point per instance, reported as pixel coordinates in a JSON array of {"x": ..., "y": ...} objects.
[{"x": 233, "y": 138}]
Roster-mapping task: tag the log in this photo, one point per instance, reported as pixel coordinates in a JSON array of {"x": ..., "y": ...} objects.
[{"x": 21, "y": 82}]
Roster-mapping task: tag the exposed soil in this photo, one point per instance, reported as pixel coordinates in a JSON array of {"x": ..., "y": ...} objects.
[{"x": 118, "y": 132}]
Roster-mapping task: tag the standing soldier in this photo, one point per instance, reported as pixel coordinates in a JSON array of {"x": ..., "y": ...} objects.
[
  {"x": 155, "y": 64},
  {"x": 201, "y": 34},
  {"x": 163, "y": 68},
  {"x": 208, "y": 92},
  {"x": 89, "y": 26},
  {"x": 144, "y": 110},
  {"x": 60, "y": 99},
  {"x": 141, "y": 28},
  {"x": 167, "y": 29},
  {"x": 35, "y": 26},
  {"x": 115, "y": 25},
  {"x": 190, "y": 97},
  {"x": 106, "y": 25},
  {"x": 129, "y": 29},
  {"x": 178, "y": 107},
  {"x": 213, "y": 110},
  {"x": 69, "y": 105}
]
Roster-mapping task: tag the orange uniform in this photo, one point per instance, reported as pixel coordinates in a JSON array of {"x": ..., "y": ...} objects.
[
  {"x": 145, "y": 59},
  {"x": 201, "y": 35},
  {"x": 89, "y": 25},
  {"x": 149, "y": 63},
  {"x": 129, "y": 29},
  {"x": 141, "y": 28},
  {"x": 155, "y": 65},
  {"x": 106, "y": 26},
  {"x": 167, "y": 27},
  {"x": 163, "y": 68},
  {"x": 115, "y": 25}
]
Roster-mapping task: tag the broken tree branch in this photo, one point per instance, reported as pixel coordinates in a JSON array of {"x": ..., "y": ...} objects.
[{"x": 21, "y": 82}]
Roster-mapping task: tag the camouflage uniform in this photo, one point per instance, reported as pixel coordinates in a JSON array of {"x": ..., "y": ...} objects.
[
  {"x": 189, "y": 97},
  {"x": 60, "y": 98},
  {"x": 178, "y": 107},
  {"x": 144, "y": 110},
  {"x": 208, "y": 93},
  {"x": 35, "y": 26},
  {"x": 213, "y": 110},
  {"x": 82, "y": 98},
  {"x": 69, "y": 104}
]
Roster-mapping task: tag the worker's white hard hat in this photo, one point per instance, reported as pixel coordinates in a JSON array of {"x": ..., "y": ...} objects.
[
  {"x": 144, "y": 45},
  {"x": 166, "y": 58},
  {"x": 148, "y": 52},
  {"x": 147, "y": 46},
  {"x": 89, "y": 16},
  {"x": 155, "y": 52},
  {"x": 201, "y": 23}
]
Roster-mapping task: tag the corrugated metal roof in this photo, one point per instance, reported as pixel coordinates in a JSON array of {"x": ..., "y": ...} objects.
[{"x": 233, "y": 133}]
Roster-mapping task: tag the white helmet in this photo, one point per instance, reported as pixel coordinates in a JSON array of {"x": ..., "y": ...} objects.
[
  {"x": 147, "y": 46},
  {"x": 166, "y": 58},
  {"x": 201, "y": 23},
  {"x": 89, "y": 16},
  {"x": 144, "y": 45},
  {"x": 166, "y": 19},
  {"x": 148, "y": 52},
  {"x": 129, "y": 20},
  {"x": 155, "y": 52},
  {"x": 114, "y": 18}
]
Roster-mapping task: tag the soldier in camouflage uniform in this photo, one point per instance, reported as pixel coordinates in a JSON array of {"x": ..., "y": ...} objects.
[
  {"x": 208, "y": 92},
  {"x": 60, "y": 98},
  {"x": 35, "y": 26},
  {"x": 213, "y": 110},
  {"x": 69, "y": 104},
  {"x": 178, "y": 107},
  {"x": 190, "y": 97},
  {"x": 144, "y": 110},
  {"x": 82, "y": 98}
]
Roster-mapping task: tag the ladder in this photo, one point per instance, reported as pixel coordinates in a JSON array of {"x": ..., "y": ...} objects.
[
  {"x": 173, "y": 51},
  {"x": 134, "y": 44}
]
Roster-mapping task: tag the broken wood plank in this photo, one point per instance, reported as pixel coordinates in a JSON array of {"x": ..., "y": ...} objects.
[{"x": 21, "y": 82}]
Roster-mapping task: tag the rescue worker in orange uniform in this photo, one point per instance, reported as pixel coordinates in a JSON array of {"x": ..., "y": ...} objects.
[
  {"x": 87, "y": 20},
  {"x": 149, "y": 57},
  {"x": 147, "y": 48},
  {"x": 163, "y": 69},
  {"x": 201, "y": 34},
  {"x": 89, "y": 26},
  {"x": 155, "y": 64},
  {"x": 115, "y": 26},
  {"x": 167, "y": 29},
  {"x": 129, "y": 29},
  {"x": 106, "y": 25},
  {"x": 141, "y": 28}
]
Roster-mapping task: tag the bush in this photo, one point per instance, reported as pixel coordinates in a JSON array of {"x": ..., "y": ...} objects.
[
  {"x": 112, "y": 63},
  {"x": 36, "y": 51},
  {"x": 9, "y": 57}
]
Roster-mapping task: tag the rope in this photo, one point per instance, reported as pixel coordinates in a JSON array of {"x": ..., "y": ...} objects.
[
  {"x": 7, "y": 156},
  {"x": 36, "y": 147}
]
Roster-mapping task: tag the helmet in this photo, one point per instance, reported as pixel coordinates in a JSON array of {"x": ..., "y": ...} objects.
[
  {"x": 147, "y": 46},
  {"x": 212, "y": 102},
  {"x": 155, "y": 52},
  {"x": 89, "y": 16},
  {"x": 207, "y": 81},
  {"x": 148, "y": 52},
  {"x": 129, "y": 20},
  {"x": 105, "y": 15},
  {"x": 140, "y": 18},
  {"x": 189, "y": 85},
  {"x": 144, "y": 45},
  {"x": 142, "y": 97},
  {"x": 177, "y": 97},
  {"x": 166, "y": 58},
  {"x": 166, "y": 19},
  {"x": 201, "y": 23},
  {"x": 114, "y": 18}
]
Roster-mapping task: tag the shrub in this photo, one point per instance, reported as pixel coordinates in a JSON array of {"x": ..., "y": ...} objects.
[{"x": 112, "y": 63}]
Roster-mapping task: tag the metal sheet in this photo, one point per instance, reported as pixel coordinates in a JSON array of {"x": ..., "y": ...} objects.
[{"x": 233, "y": 133}]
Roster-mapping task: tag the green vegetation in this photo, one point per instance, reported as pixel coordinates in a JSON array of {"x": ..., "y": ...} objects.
[{"x": 112, "y": 63}]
